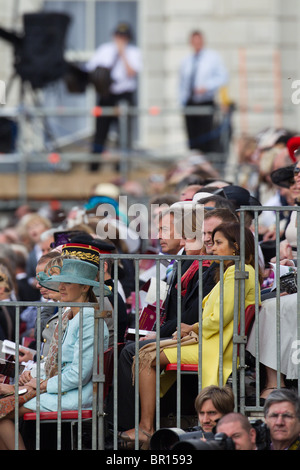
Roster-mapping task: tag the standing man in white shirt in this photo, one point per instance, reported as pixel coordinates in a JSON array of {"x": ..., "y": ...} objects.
[
  {"x": 124, "y": 60},
  {"x": 202, "y": 74}
]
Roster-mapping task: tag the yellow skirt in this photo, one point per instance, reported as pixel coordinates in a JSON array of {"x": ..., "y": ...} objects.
[
  {"x": 209, "y": 367},
  {"x": 189, "y": 354}
]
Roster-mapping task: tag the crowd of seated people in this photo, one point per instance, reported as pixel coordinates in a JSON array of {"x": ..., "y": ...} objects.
[{"x": 32, "y": 240}]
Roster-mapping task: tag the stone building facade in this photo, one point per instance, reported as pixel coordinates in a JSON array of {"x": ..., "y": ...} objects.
[{"x": 257, "y": 39}]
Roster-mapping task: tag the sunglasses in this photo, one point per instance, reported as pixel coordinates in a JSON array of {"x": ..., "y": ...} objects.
[{"x": 296, "y": 170}]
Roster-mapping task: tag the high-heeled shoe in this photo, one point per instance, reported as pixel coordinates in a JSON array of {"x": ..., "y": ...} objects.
[{"x": 130, "y": 442}]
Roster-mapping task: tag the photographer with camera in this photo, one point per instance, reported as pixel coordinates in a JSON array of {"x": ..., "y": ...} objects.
[
  {"x": 211, "y": 404},
  {"x": 122, "y": 60},
  {"x": 239, "y": 429},
  {"x": 282, "y": 416}
]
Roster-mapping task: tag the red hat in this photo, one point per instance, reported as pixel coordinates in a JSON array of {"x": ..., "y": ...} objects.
[{"x": 293, "y": 145}]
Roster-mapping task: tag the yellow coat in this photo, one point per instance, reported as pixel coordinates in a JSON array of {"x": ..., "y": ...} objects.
[{"x": 211, "y": 332}]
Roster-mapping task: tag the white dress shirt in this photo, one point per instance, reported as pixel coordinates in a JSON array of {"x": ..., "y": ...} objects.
[
  {"x": 211, "y": 74},
  {"x": 107, "y": 56}
]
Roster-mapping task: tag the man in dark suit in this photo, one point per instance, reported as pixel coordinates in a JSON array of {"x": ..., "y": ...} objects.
[
  {"x": 170, "y": 243},
  {"x": 190, "y": 301},
  {"x": 190, "y": 306}
]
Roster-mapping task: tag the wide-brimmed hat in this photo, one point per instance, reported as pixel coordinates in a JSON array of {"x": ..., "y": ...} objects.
[
  {"x": 240, "y": 196},
  {"x": 107, "y": 189},
  {"x": 283, "y": 177},
  {"x": 74, "y": 271},
  {"x": 94, "y": 201}
]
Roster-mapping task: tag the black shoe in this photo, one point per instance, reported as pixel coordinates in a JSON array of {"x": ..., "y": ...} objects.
[
  {"x": 94, "y": 166},
  {"x": 251, "y": 401}
]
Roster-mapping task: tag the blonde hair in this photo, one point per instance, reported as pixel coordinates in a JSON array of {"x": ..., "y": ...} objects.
[
  {"x": 28, "y": 219},
  {"x": 24, "y": 223},
  {"x": 5, "y": 278}
]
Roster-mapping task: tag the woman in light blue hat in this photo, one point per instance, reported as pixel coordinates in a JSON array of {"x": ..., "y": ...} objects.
[{"x": 76, "y": 284}]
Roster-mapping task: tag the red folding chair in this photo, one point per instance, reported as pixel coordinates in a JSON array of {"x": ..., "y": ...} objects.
[{"x": 249, "y": 318}]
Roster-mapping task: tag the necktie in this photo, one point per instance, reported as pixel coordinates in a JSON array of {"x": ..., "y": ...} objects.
[
  {"x": 169, "y": 271},
  {"x": 193, "y": 74}
]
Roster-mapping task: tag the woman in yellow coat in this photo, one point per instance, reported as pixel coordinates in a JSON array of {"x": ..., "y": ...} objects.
[{"x": 226, "y": 239}]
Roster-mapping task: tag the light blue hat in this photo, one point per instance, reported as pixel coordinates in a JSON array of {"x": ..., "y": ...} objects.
[{"x": 73, "y": 271}]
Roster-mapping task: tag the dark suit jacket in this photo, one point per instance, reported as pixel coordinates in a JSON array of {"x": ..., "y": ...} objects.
[
  {"x": 122, "y": 313},
  {"x": 26, "y": 291},
  {"x": 7, "y": 323},
  {"x": 170, "y": 304}
]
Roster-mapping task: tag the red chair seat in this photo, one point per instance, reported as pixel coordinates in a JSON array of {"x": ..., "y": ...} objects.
[
  {"x": 67, "y": 415},
  {"x": 183, "y": 367},
  {"x": 72, "y": 415},
  {"x": 249, "y": 320}
]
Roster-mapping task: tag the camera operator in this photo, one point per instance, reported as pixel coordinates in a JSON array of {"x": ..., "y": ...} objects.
[
  {"x": 211, "y": 404},
  {"x": 238, "y": 427},
  {"x": 125, "y": 63},
  {"x": 282, "y": 416}
]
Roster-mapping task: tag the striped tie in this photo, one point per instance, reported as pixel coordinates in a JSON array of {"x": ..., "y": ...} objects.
[{"x": 169, "y": 271}]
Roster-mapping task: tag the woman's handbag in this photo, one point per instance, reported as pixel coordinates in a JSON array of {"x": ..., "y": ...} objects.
[
  {"x": 288, "y": 283},
  {"x": 8, "y": 403}
]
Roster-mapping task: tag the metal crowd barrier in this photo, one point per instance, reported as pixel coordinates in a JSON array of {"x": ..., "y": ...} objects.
[
  {"x": 98, "y": 378},
  {"x": 240, "y": 278},
  {"x": 257, "y": 407},
  {"x": 239, "y": 369},
  {"x": 24, "y": 160}
]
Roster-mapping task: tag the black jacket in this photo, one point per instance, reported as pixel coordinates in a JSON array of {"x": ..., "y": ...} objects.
[
  {"x": 122, "y": 313},
  {"x": 7, "y": 323}
]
